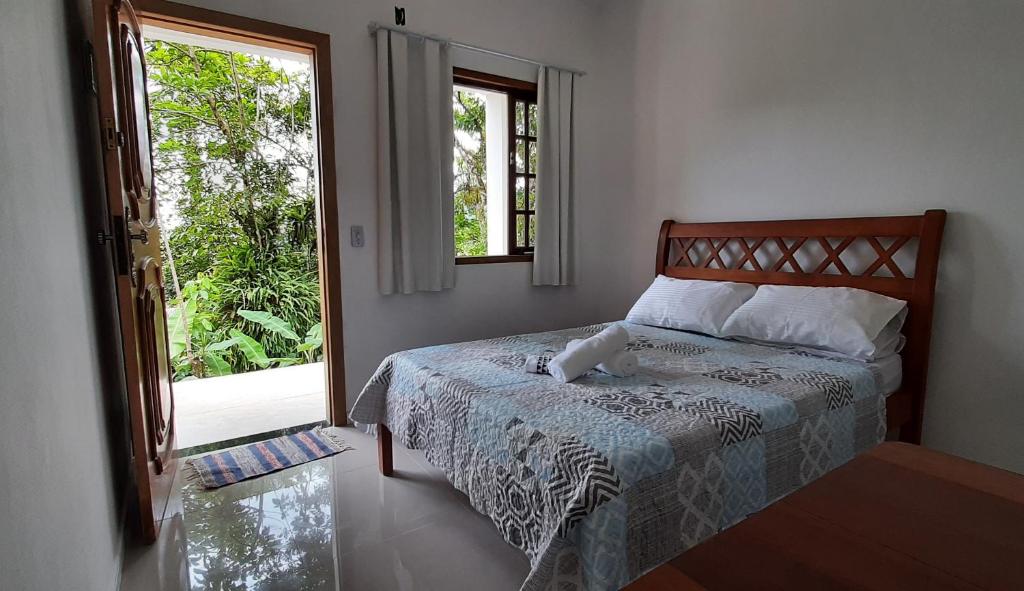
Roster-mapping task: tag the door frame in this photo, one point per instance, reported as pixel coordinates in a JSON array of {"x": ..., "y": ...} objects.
[{"x": 211, "y": 23}]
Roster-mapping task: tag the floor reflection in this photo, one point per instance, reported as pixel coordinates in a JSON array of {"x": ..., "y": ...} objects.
[
  {"x": 275, "y": 534},
  {"x": 329, "y": 525}
]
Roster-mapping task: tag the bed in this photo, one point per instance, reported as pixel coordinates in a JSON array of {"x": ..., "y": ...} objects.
[{"x": 602, "y": 479}]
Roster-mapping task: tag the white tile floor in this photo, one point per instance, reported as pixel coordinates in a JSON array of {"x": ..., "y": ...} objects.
[
  {"x": 227, "y": 407},
  {"x": 331, "y": 524}
]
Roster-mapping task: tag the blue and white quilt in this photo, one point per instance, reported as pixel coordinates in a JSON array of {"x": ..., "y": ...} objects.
[{"x": 604, "y": 478}]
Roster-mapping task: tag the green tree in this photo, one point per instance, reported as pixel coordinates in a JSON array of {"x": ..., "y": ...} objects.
[
  {"x": 234, "y": 161},
  {"x": 470, "y": 116}
]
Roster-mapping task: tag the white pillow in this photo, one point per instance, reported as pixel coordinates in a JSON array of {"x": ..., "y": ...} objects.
[
  {"x": 889, "y": 342},
  {"x": 843, "y": 320},
  {"x": 689, "y": 304}
]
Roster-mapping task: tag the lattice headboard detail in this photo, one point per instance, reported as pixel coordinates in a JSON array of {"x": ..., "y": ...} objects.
[{"x": 896, "y": 256}]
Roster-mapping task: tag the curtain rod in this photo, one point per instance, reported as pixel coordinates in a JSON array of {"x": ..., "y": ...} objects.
[{"x": 375, "y": 26}]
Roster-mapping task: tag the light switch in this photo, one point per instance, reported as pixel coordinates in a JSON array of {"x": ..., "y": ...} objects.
[{"x": 357, "y": 237}]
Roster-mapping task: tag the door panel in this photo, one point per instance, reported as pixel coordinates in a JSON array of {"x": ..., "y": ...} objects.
[
  {"x": 154, "y": 358},
  {"x": 127, "y": 154},
  {"x": 138, "y": 167}
]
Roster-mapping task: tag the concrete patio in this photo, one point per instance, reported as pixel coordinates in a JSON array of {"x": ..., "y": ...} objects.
[{"x": 227, "y": 407}]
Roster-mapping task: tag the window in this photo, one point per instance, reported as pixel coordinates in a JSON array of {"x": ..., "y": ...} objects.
[{"x": 495, "y": 164}]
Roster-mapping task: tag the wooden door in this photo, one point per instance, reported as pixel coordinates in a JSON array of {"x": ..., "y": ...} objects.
[{"x": 135, "y": 235}]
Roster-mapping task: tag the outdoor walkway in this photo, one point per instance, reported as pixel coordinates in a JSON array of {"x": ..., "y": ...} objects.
[{"x": 226, "y": 407}]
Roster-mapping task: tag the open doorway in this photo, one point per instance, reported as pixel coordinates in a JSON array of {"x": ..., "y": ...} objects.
[{"x": 238, "y": 177}]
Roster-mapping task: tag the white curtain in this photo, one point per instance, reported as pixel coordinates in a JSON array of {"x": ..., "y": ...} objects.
[
  {"x": 415, "y": 202},
  {"x": 553, "y": 245}
]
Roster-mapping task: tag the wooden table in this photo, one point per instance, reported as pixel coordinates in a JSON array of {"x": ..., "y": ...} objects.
[{"x": 897, "y": 517}]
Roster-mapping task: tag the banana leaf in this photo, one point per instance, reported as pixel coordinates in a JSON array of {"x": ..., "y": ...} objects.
[
  {"x": 215, "y": 365},
  {"x": 271, "y": 323},
  {"x": 251, "y": 348}
]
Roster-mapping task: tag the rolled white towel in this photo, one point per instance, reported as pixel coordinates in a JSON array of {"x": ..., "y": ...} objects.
[
  {"x": 622, "y": 364},
  {"x": 569, "y": 365}
]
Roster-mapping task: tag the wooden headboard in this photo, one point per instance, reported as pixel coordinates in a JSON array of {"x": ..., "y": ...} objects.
[{"x": 866, "y": 253}]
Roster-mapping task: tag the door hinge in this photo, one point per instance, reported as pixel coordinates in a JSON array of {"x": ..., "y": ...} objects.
[
  {"x": 109, "y": 133},
  {"x": 112, "y": 138}
]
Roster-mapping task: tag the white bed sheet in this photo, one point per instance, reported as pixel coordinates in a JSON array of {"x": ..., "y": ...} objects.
[{"x": 888, "y": 373}]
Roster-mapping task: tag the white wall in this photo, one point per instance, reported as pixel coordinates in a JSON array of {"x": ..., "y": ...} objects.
[
  {"x": 814, "y": 108},
  {"x": 62, "y": 439},
  {"x": 488, "y": 300}
]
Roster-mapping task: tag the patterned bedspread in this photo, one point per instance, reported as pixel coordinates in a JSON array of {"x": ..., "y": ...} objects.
[{"x": 604, "y": 478}]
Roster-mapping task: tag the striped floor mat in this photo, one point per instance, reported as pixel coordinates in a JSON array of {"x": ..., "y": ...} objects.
[{"x": 256, "y": 459}]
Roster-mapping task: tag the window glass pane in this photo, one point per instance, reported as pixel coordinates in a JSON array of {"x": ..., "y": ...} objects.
[
  {"x": 520, "y": 230},
  {"x": 533, "y": 120},
  {"x": 520, "y": 155},
  {"x": 533, "y": 156},
  {"x": 470, "y": 119},
  {"x": 533, "y": 229},
  {"x": 520, "y": 127},
  {"x": 533, "y": 194},
  {"x": 520, "y": 192}
]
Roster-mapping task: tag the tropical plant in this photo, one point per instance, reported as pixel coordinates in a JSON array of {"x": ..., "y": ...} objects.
[
  {"x": 235, "y": 169},
  {"x": 201, "y": 349},
  {"x": 306, "y": 348},
  {"x": 196, "y": 347}
]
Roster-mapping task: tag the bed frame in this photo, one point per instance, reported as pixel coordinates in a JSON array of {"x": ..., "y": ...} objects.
[
  {"x": 809, "y": 252},
  {"x": 779, "y": 252}
]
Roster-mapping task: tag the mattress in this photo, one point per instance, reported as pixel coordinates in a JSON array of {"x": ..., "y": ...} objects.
[
  {"x": 604, "y": 478},
  {"x": 888, "y": 371}
]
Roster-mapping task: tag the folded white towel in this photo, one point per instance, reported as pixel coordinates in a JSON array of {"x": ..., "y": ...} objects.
[
  {"x": 569, "y": 365},
  {"x": 621, "y": 365}
]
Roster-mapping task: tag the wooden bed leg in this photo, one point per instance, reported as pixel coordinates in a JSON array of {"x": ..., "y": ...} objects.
[{"x": 384, "y": 457}]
